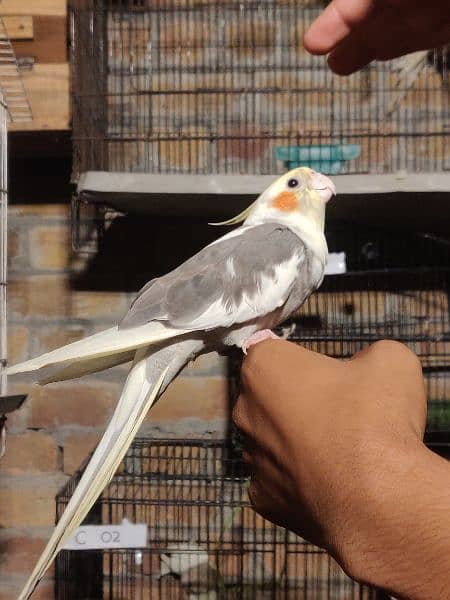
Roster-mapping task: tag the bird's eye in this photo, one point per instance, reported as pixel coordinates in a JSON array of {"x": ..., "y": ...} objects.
[{"x": 293, "y": 183}]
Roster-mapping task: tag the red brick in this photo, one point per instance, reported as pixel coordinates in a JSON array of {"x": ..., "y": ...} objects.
[
  {"x": 29, "y": 502},
  {"x": 73, "y": 403},
  {"x": 45, "y": 590},
  {"x": 17, "y": 254},
  {"x": 51, "y": 337},
  {"x": 10, "y": 591},
  {"x": 18, "y": 553},
  {"x": 44, "y": 211},
  {"x": 39, "y": 296},
  {"x": 77, "y": 448},
  {"x": 18, "y": 338},
  {"x": 18, "y": 421},
  {"x": 202, "y": 397},
  {"x": 30, "y": 452},
  {"x": 107, "y": 305},
  {"x": 50, "y": 247}
]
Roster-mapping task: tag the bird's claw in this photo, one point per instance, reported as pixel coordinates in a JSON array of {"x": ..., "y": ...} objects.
[{"x": 256, "y": 338}]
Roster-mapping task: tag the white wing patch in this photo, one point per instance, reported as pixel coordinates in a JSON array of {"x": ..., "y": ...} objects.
[
  {"x": 230, "y": 267},
  {"x": 272, "y": 293}
]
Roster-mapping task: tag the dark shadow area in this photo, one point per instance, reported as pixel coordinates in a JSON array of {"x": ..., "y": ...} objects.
[
  {"x": 134, "y": 250},
  {"x": 40, "y": 165}
]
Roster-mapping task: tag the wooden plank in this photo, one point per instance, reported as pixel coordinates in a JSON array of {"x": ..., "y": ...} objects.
[
  {"x": 56, "y": 8},
  {"x": 47, "y": 87},
  {"x": 49, "y": 44},
  {"x": 19, "y": 27}
]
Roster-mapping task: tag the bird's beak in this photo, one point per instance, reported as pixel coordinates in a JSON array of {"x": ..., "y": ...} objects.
[
  {"x": 321, "y": 182},
  {"x": 331, "y": 187}
]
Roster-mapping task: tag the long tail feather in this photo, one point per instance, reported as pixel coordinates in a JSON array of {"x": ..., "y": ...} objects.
[
  {"x": 152, "y": 371},
  {"x": 137, "y": 397},
  {"x": 91, "y": 352},
  {"x": 85, "y": 366}
]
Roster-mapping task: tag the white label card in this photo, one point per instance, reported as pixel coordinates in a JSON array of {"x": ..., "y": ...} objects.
[
  {"x": 100, "y": 537},
  {"x": 336, "y": 263}
]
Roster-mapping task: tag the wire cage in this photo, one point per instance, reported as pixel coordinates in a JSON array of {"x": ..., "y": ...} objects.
[
  {"x": 196, "y": 86},
  {"x": 205, "y": 541}
]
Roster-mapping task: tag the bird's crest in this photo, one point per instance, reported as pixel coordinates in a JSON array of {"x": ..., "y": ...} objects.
[{"x": 238, "y": 218}]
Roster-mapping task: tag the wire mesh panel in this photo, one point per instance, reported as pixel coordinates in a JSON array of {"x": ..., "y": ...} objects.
[
  {"x": 198, "y": 86},
  {"x": 205, "y": 541}
]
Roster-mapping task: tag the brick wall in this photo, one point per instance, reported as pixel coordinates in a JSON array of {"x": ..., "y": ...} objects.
[{"x": 60, "y": 424}]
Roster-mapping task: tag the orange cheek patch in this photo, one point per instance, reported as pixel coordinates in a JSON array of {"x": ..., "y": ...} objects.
[{"x": 286, "y": 201}]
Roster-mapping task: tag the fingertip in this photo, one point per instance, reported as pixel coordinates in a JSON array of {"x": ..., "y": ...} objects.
[
  {"x": 326, "y": 31},
  {"x": 390, "y": 352},
  {"x": 313, "y": 43}
]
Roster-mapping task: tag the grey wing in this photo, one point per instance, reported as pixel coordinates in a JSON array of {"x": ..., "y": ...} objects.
[{"x": 237, "y": 278}]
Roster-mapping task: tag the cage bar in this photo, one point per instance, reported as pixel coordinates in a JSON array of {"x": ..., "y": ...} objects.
[
  {"x": 189, "y": 86},
  {"x": 3, "y": 242}
]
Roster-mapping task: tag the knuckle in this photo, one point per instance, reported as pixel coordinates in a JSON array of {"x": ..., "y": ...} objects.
[
  {"x": 238, "y": 415},
  {"x": 396, "y": 349},
  {"x": 255, "y": 496},
  {"x": 246, "y": 372},
  {"x": 252, "y": 494},
  {"x": 259, "y": 502},
  {"x": 247, "y": 457},
  {"x": 387, "y": 346}
]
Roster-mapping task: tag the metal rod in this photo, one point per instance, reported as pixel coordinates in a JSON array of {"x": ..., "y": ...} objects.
[{"x": 3, "y": 244}]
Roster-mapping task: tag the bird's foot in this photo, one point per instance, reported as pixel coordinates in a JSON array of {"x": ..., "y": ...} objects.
[{"x": 259, "y": 336}]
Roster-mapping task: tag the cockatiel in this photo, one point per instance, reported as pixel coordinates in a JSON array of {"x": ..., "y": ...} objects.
[{"x": 231, "y": 293}]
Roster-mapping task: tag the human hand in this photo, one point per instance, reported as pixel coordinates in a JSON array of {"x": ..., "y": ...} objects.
[
  {"x": 336, "y": 454},
  {"x": 356, "y": 32}
]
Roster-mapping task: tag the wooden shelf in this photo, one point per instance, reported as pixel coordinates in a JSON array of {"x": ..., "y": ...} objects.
[
  {"x": 38, "y": 30},
  {"x": 378, "y": 199},
  {"x": 47, "y": 88},
  {"x": 56, "y": 8}
]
